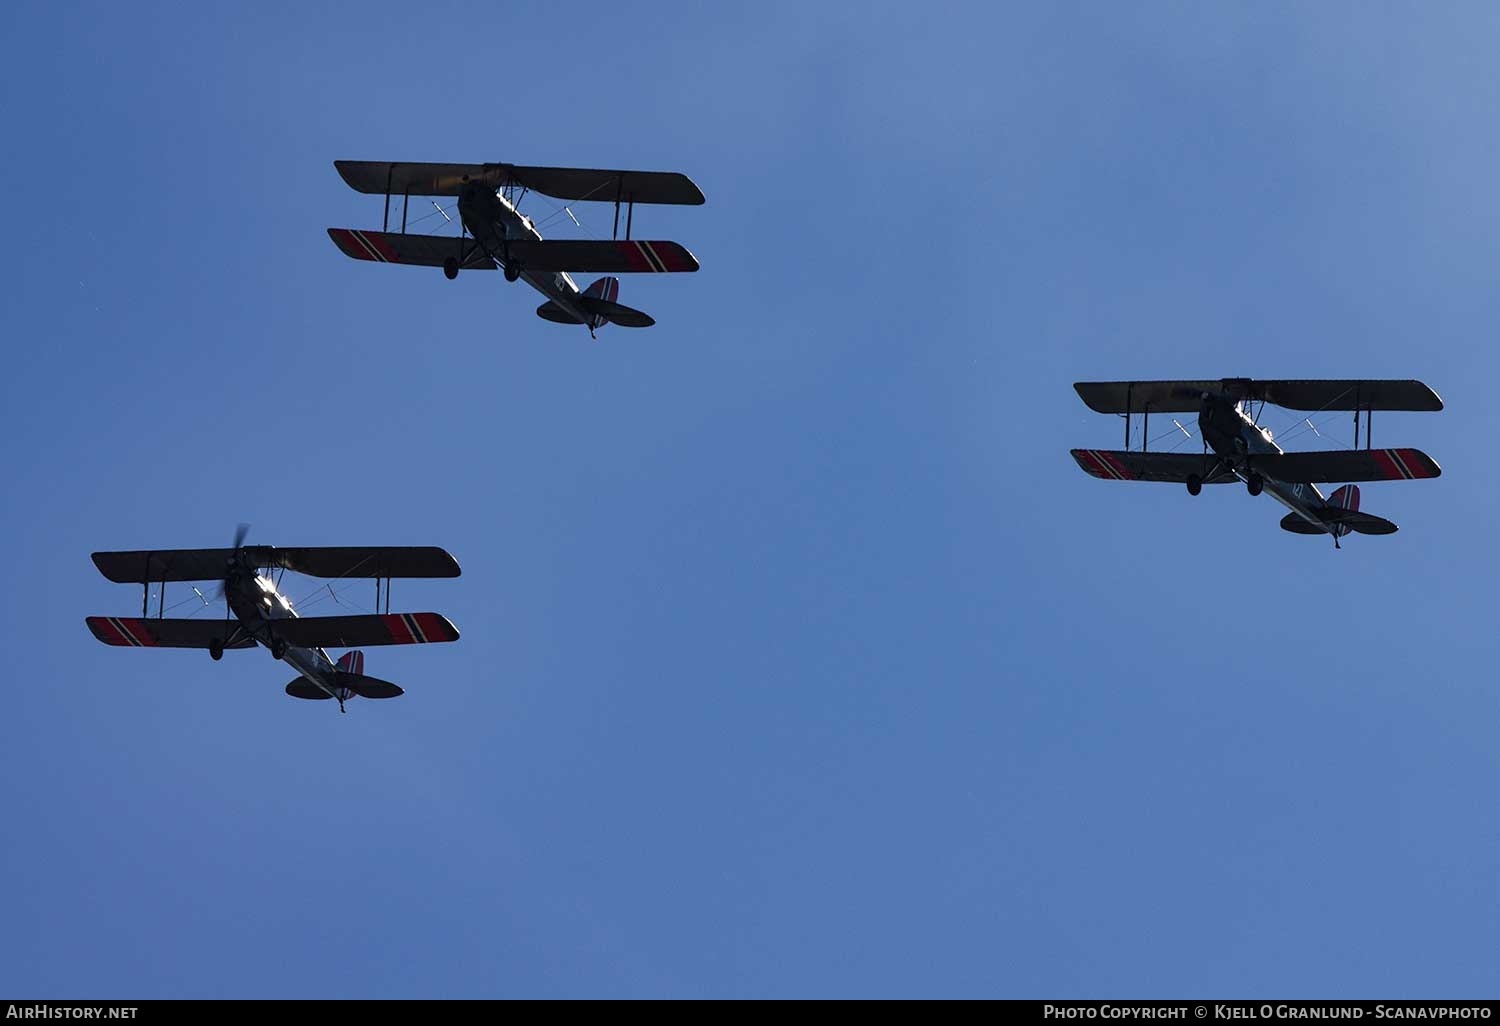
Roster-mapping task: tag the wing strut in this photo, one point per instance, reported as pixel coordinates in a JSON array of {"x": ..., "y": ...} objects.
[
  {"x": 629, "y": 208},
  {"x": 1369, "y": 418},
  {"x": 385, "y": 225}
]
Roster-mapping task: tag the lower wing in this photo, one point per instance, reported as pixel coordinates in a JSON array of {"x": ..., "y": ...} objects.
[
  {"x": 1177, "y": 467},
  {"x": 1348, "y": 465},
  {"x": 361, "y": 631},
  {"x": 152, "y": 632},
  {"x": 619, "y": 256},
  {"x": 418, "y": 250}
]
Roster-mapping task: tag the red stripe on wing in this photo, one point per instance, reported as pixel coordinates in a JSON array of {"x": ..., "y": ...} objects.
[
  {"x": 138, "y": 630},
  {"x": 351, "y": 246},
  {"x": 381, "y": 246},
  {"x": 1118, "y": 467},
  {"x": 106, "y": 631},
  {"x": 1386, "y": 465},
  {"x": 672, "y": 258},
  {"x": 400, "y": 634},
  {"x": 1095, "y": 466},
  {"x": 1415, "y": 465},
  {"x": 434, "y": 627},
  {"x": 634, "y": 257}
]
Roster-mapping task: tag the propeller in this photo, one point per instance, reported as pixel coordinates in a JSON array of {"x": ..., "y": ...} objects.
[{"x": 239, "y": 543}]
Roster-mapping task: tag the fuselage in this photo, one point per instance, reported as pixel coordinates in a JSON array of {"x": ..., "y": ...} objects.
[
  {"x": 257, "y": 603},
  {"x": 492, "y": 220},
  {"x": 1236, "y": 439}
]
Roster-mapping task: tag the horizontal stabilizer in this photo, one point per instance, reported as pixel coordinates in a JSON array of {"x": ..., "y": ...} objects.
[
  {"x": 153, "y": 632},
  {"x": 1349, "y": 520},
  {"x": 1364, "y": 523},
  {"x": 616, "y": 313},
  {"x": 367, "y": 687},
  {"x": 1298, "y": 524},
  {"x": 550, "y": 311},
  {"x": 354, "y": 683}
]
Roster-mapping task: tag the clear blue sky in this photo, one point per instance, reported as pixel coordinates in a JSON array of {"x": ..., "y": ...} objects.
[{"x": 798, "y": 657}]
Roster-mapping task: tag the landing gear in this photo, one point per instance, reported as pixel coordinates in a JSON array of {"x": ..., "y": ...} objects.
[
  {"x": 450, "y": 268},
  {"x": 278, "y": 648},
  {"x": 215, "y": 649},
  {"x": 512, "y": 272},
  {"x": 1195, "y": 484},
  {"x": 1254, "y": 483}
]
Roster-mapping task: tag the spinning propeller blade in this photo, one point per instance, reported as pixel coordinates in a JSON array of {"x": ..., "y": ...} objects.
[{"x": 239, "y": 543}]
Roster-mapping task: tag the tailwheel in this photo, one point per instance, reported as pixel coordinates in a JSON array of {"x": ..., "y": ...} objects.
[
  {"x": 1194, "y": 484},
  {"x": 215, "y": 649},
  {"x": 278, "y": 648},
  {"x": 450, "y": 268},
  {"x": 1254, "y": 483},
  {"x": 512, "y": 272}
]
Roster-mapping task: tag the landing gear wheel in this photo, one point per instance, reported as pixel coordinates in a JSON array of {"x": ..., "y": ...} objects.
[
  {"x": 450, "y": 268},
  {"x": 278, "y": 648},
  {"x": 1254, "y": 483},
  {"x": 512, "y": 272},
  {"x": 215, "y": 649},
  {"x": 1195, "y": 484}
]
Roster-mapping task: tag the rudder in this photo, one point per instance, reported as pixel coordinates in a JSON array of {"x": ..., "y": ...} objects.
[{"x": 601, "y": 301}]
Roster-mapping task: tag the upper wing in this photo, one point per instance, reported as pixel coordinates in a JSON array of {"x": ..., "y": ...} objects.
[
  {"x": 382, "y": 176},
  {"x": 365, "y": 561},
  {"x": 163, "y": 565},
  {"x": 615, "y": 257},
  {"x": 400, "y": 248},
  {"x": 357, "y": 631},
  {"x": 1324, "y": 394},
  {"x": 1135, "y": 396},
  {"x": 1115, "y": 465},
  {"x": 1327, "y": 394},
  {"x": 576, "y": 183},
  {"x": 343, "y": 561},
  {"x": 152, "y": 632},
  {"x": 567, "y": 183},
  {"x": 1348, "y": 465}
]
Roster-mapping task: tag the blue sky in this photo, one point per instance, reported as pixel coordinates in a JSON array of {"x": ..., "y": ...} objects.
[{"x": 798, "y": 658}]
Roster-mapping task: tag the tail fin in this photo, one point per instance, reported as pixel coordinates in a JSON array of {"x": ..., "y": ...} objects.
[
  {"x": 351, "y": 662},
  {"x": 607, "y": 289},
  {"x": 601, "y": 300},
  {"x": 1343, "y": 512},
  {"x": 1342, "y": 517}
]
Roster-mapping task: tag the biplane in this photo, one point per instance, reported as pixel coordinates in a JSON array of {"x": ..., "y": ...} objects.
[
  {"x": 256, "y": 611},
  {"x": 494, "y": 233},
  {"x": 1237, "y": 448}
]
